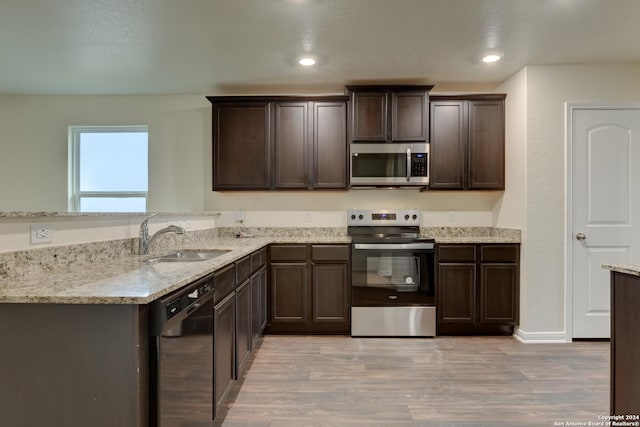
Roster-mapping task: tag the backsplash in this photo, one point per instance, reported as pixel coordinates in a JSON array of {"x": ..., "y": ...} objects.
[
  {"x": 57, "y": 258},
  {"x": 436, "y": 232},
  {"x": 283, "y": 231}
]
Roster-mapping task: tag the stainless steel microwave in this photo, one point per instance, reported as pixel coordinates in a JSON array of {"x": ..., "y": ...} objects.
[{"x": 389, "y": 165}]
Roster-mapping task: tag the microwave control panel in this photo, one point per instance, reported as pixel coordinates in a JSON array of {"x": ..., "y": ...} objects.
[{"x": 419, "y": 164}]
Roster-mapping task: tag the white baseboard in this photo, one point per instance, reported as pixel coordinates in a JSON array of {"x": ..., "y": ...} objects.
[{"x": 541, "y": 337}]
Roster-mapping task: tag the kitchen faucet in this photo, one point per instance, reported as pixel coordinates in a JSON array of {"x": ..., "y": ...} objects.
[{"x": 145, "y": 239}]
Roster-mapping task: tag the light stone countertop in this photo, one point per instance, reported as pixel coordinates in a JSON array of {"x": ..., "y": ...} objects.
[
  {"x": 633, "y": 269},
  {"x": 127, "y": 280},
  {"x": 44, "y": 214},
  {"x": 130, "y": 281}
]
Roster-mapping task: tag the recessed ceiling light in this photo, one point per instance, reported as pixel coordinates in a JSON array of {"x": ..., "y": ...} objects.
[
  {"x": 307, "y": 62},
  {"x": 492, "y": 58}
]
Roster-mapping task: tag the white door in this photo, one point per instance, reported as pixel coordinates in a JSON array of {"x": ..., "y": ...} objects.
[{"x": 605, "y": 188}]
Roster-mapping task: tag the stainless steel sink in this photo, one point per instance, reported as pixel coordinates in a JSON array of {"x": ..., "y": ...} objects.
[{"x": 189, "y": 255}]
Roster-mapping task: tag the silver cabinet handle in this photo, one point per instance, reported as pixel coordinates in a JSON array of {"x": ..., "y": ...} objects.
[{"x": 581, "y": 236}]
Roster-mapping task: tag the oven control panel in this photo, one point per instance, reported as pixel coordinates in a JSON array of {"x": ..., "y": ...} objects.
[{"x": 383, "y": 217}]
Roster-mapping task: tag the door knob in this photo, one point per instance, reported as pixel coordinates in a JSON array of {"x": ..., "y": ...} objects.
[{"x": 581, "y": 236}]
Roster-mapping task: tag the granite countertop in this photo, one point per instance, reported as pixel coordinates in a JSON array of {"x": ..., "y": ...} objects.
[
  {"x": 472, "y": 234},
  {"x": 65, "y": 214},
  {"x": 129, "y": 280},
  {"x": 633, "y": 269}
]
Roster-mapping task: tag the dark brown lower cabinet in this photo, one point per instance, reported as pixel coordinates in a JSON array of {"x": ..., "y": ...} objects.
[
  {"x": 330, "y": 295},
  {"x": 499, "y": 293},
  {"x": 256, "y": 307},
  {"x": 243, "y": 326},
  {"x": 224, "y": 325},
  {"x": 625, "y": 345},
  {"x": 309, "y": 289},
  {"x": 74, "y": 365},
  {"x": 457, "y": 292},
  {"x": 264, "y": 298},
  {"x": 478, "y": 288},
  {"x": 289, "y": 293}
]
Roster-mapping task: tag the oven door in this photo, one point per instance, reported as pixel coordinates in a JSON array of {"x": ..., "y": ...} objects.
[{"x": 392, "y": 274}]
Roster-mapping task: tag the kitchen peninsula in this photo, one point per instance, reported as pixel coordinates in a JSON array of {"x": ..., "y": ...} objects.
[{"x": 625, "y": 342}]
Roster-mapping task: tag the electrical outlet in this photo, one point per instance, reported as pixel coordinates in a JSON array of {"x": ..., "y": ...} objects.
[
  {"x": 41, "y": 233},
  {"x": 452, "y": 216},
  {"x": 306, "y": 217}
]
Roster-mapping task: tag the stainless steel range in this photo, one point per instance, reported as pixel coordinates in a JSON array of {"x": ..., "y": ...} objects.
[{"x": 392, "y": 274}]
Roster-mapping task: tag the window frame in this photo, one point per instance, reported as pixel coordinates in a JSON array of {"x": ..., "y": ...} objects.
[{"x": 74, "y": 162}]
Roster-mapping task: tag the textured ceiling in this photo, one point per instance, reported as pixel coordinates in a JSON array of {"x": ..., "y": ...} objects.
[{"x": 252, "y": 46}]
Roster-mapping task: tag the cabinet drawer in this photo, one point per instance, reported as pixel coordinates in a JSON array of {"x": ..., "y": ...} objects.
[
  {"x": 285, "y": 253},
  {"x": 224, "y": 282},
  {"x": 243, "y": 269},
  {"x": 330, "y": 252},
  {"x": 456, "y": 253},
  {"x": 499, "y": 253},
  {"x": 256, "y": 262}
]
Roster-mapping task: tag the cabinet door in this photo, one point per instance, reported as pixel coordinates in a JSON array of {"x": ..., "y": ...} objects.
[
  {"x": 329, "y": 145},
  {"x": 457, "y": 292},
  {"x": 448, "y": 143},
  {"x": 263, "y": 299},
  {"x": 369, "y": 118},
  {"x": 409, "y": 116},
  {"x": 224, "y": 315},
  {"x": 291, "y": 144},
  {"x": 499, "y": 293},
  {"x": 256, "y": 306},
  {"x": 289, "y": 293},
  {"x": 241, "y": 146},
  {"x": 330, "y": 293},
  {"x": 486, "y": 145},
  {"x": 243, "y": 326}
]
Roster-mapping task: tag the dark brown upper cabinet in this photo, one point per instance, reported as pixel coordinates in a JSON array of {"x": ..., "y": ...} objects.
[
  {"x": 329, "y": 140},
  {"x": 389, "y": 113},
  {"x": 279, "y": 143},
  {"x": 291, "y": 145},
  {"x": 467, "y": 142},
  {"x": 241, "y": 145}
]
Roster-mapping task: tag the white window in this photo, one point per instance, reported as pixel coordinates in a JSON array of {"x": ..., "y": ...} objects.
[{"x": 108, "y": 168}]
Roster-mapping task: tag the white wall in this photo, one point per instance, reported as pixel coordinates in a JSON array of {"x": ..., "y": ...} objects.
[
  {"x": 511, "y": 212},
  {"x": 15, "y": 232},
  {"x": 34, "y": 140},
  {"x": 471, "y": 208},
  {"x": 548, "y": 89}
]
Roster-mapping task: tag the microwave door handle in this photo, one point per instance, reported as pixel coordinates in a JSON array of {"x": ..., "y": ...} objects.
[{"x": 408, "y": 164}]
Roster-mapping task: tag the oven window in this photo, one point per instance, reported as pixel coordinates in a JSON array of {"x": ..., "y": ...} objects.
[
  {"x": 378, "y": 165},
  {"x": 399, "y": 273}
]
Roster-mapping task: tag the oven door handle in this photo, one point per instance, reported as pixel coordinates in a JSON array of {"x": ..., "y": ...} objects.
[{"x": 393, "y": 246}]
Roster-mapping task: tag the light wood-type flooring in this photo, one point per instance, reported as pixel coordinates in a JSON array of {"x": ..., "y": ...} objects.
[{"x": 443, "y": 381}]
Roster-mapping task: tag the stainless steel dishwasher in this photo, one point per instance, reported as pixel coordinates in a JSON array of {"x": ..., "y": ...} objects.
[{"x": 181, "y": 357}]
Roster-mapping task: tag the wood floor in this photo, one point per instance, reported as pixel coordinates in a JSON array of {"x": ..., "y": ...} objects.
[{"x": 445, "y": 381}]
